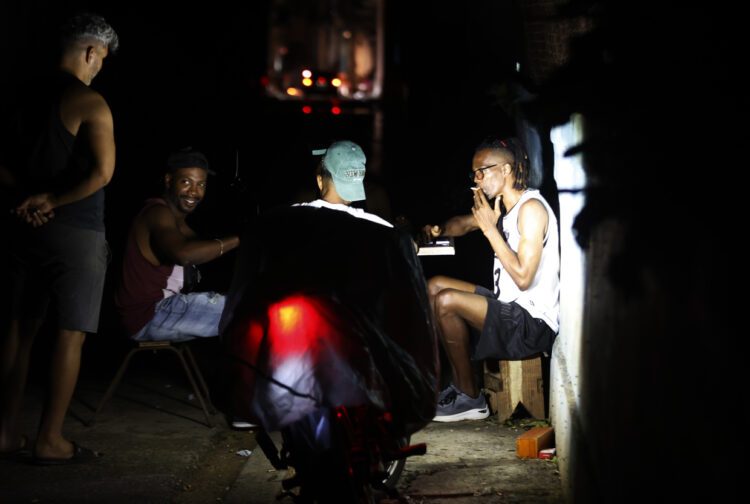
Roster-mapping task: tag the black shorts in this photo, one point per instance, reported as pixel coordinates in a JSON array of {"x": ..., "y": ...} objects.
[
  {"x": 509, "y": 332},
  {"x": 61, "y": 263}
]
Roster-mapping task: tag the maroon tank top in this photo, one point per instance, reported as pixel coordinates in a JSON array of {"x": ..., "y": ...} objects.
[{"x": 143, "y": 285}]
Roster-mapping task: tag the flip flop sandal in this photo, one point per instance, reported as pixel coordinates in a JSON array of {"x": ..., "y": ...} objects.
[
  {"x": 22, "y": 452},
  {"x": 81, "y": 455}
]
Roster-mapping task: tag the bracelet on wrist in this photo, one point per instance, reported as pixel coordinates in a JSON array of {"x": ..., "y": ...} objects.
[{"x": 221, "y": 245}]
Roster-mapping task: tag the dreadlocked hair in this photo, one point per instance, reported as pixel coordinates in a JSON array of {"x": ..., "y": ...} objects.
[{"x": 519, "y": 162}]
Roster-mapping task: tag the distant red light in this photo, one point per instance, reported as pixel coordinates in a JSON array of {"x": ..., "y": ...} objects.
[
  {"x": 264, "y": 81},
  {"x": 307, "y": 109},
  {"x": 321, "y": 81},
  {"x": 335, "y": 110}
]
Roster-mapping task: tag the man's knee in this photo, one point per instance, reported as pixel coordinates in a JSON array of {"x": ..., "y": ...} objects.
[
  {"x": 435, "y": 285},
  {"x": 445, "y": 302},
  {"x": 70, "y": 338}
]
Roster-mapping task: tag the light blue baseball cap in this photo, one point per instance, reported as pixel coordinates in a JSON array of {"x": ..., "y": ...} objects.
[{"x": 345, "y": 160}]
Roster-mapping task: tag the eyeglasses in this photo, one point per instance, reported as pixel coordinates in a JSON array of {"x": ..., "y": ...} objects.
[{"x": 479, "y": 174}]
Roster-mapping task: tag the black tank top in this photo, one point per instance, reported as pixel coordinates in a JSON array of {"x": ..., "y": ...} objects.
[{"x": 57, "y": 160}]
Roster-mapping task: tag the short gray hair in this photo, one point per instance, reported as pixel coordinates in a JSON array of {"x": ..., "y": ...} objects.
[{"x": 86, "y": 27}]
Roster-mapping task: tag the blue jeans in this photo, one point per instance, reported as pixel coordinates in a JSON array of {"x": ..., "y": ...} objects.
[{"x": 183, "y": 317}]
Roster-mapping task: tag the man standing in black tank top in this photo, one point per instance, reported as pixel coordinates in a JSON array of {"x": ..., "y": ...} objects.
[{"x": 65, "y": 155}]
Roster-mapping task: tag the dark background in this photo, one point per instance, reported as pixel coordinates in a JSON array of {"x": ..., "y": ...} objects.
[
  {"x": 660, "y": 87},
  {"x": 191, "y": 76}
]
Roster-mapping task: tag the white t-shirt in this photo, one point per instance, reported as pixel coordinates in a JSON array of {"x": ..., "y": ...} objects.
[{"x": 356, "y": 212}]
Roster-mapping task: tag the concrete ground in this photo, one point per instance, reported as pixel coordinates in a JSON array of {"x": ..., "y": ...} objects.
[
  {"x": 471, "y": 462},
  {"x": 158, "y": 450}
]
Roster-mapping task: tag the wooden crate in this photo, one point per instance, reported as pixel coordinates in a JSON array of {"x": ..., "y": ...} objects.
[{"x": 515, "y": 382}]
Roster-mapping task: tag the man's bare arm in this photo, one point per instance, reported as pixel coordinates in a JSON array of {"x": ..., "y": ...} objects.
[
  {"x": 532, "y": 224},
  {"x": 455, "y": 226},
  {"x": 95, "y": 122},
  {"x": 171, "y": 246}
]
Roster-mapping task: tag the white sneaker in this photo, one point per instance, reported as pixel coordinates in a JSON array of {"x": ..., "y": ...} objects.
[{"x": 241, "y": 424}]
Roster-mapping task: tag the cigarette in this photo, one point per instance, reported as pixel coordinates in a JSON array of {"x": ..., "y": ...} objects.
[{"x": 474, "y": 188}]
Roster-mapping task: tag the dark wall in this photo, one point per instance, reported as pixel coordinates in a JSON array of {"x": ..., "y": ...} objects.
[{"x": 663, "y": 370}]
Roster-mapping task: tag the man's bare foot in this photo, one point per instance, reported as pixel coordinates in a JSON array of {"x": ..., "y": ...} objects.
[
  {"x": 60, "y": 454},
  {"x": 59, "y": 449},
  {"x": 21, "y": 443}
]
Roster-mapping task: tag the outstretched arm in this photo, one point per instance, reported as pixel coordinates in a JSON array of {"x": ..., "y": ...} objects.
[
  {"x": 455, "y": 226},
  {"x": 172, "y": 245}
]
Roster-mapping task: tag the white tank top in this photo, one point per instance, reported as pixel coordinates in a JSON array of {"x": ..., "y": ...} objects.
[{"x": 542, "y": 298}]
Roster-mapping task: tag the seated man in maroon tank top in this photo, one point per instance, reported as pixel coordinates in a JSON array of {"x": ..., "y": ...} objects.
[{"x": 160, "y": 245}]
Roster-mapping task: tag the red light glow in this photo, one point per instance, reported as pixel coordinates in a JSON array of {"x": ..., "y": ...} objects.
[
  {"x": 307, "y": 109},
  {"x": 335, "y": 110},
  {"x": 252, "y": 341},
  {"x": 289, "y": 317},
  {"x": 294, "y": 327}
]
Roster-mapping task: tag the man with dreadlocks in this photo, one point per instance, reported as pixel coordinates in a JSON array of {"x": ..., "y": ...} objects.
[{"x": 520, "y": 318}]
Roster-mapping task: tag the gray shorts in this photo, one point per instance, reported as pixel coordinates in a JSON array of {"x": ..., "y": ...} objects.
[
  {"x": 509, "y": 332},
  {"x": 61, "y": 264}
]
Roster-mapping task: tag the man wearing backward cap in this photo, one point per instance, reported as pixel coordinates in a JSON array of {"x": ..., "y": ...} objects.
[
  {"x": 161, "y": 250},
  {"x": 340, "y": 176}
]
